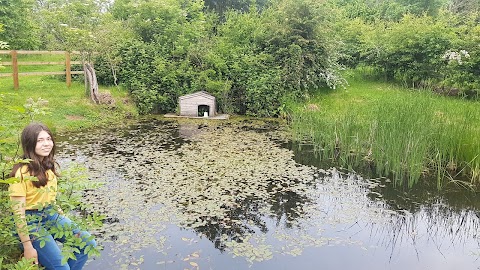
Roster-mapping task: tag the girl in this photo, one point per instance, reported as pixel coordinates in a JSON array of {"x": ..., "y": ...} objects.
[{"x": 34, "y": 200}]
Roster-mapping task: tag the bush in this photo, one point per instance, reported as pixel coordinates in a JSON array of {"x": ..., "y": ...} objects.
[
  {"x": 249, "y": 60},
  {"x": 462, "y": 70},
  {"x": 409, "y": 50},
  {"x": 156, "y": 68}
]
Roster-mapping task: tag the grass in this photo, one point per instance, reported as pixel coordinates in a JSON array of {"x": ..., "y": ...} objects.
[
  {"x": 68, "y": 108},
  {"x": 403, "y": 134}
]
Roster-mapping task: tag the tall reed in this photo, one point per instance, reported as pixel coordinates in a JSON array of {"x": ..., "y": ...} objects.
[
  {"x": 405, "y": 134},
  {"x": 403, "y": 130},
  {"x": 457, "y": 139}
]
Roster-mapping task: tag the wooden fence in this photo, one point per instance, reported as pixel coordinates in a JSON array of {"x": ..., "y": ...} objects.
[{"x": 15, "y": 63}]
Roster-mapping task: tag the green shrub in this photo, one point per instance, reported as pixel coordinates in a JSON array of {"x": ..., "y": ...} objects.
[
  {"x": 248, "y": 60},
  {"x": 462, "y": 72},
  {"x": 410, "y": 50}
]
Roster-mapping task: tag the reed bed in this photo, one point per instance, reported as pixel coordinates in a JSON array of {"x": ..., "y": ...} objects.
[{"x": 402, "y": 134}]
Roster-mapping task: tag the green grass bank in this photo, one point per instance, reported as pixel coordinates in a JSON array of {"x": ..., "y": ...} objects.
[
  {"x": 399, "y": 133},
  {"x": 67, "y": 108}
]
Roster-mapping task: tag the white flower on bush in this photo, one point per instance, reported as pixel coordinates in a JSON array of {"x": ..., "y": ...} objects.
[
  {"x": 3, "y": 46},
  {"x": 454, "y": 56}
]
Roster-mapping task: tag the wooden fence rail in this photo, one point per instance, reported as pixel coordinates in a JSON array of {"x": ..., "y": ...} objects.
[{"x": 15, "y": 63}]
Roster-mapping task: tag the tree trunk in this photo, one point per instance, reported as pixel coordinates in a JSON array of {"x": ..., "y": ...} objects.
[
  {"x": 111, "y": 64},
  {"x": 85, "y": 78},
  {"x": 91, "y": 80}
]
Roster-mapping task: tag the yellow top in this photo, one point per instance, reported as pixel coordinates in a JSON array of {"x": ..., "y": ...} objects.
[{"x": 34, "y": 196}]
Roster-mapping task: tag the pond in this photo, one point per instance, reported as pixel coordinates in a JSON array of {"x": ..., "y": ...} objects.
[{"x": 202, "y": 194}]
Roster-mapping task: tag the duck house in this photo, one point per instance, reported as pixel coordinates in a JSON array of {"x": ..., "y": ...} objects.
[{"x": 198, "y": 104}]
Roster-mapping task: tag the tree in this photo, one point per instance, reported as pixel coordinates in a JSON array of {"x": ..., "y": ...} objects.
[
  {"x": 222, "y": 6},
  {"x": 371, "y": 10},
  {"x": 3, "y": 45},
  {"x": 419, "y": 7},
  {"x": 68, "y": 24},
  {"x": 409, "y": 50},
  {"x": 110, "y": 36},
  {"x": 20, "y": 30},
  {"x": 250, "y": 60},
  {"x": 72, "y": 25},
  {"x": 304, "y": 45},
  {"x": 464, "y": 6},
  {"x": 156, "y": 67}
]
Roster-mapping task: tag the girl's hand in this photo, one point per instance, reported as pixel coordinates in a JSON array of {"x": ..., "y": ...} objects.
[{"x": 31, "y": 253}]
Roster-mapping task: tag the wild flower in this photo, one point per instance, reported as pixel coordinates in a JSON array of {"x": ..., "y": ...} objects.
[{"x": 454, "y": 56}]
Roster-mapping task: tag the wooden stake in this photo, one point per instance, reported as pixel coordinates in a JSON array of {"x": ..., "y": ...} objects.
[
  {"x": 15, "y": 70},
  {"x": 68, "y": 69}
]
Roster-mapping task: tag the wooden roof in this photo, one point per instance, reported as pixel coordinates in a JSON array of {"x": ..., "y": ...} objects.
[{"x": 198, "y": 94}]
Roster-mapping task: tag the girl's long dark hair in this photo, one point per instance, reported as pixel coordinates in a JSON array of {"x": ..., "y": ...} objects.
[{"x": 37, "y": 166}]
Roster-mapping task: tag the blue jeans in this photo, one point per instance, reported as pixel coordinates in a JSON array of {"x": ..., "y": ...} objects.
[{"x": 49, "y": 254}]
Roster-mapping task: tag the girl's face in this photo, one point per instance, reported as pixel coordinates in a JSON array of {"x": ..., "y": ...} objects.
[{"x": 44, "y": 144}]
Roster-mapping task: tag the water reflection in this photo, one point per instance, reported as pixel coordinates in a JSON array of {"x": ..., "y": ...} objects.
[{"x": 226, "y": 195}]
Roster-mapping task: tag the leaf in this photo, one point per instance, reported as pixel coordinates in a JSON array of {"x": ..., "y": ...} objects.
[
  {"x": 10, "y": 180},
  {"x": 194, "y": 264},
  {"x": 18, "y": 109}
]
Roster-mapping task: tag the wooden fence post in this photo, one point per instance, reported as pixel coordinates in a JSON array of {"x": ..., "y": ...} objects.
[
  {"x": 15, "y": 69},
  {"x": 68, "y": 69}
]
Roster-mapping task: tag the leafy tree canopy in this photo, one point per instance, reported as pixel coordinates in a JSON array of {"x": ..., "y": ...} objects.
[
  {"x": 68, "y": 24},
  {"x": 20, "y": 30}
]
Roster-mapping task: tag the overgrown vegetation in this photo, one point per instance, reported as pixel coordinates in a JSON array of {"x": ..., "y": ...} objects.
[
  {"x": 436, "y": 49},
  {"x": 249, "y": 60},
  {"x": 408, "y": 135},
  {"x": 255, "y": 55}
]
